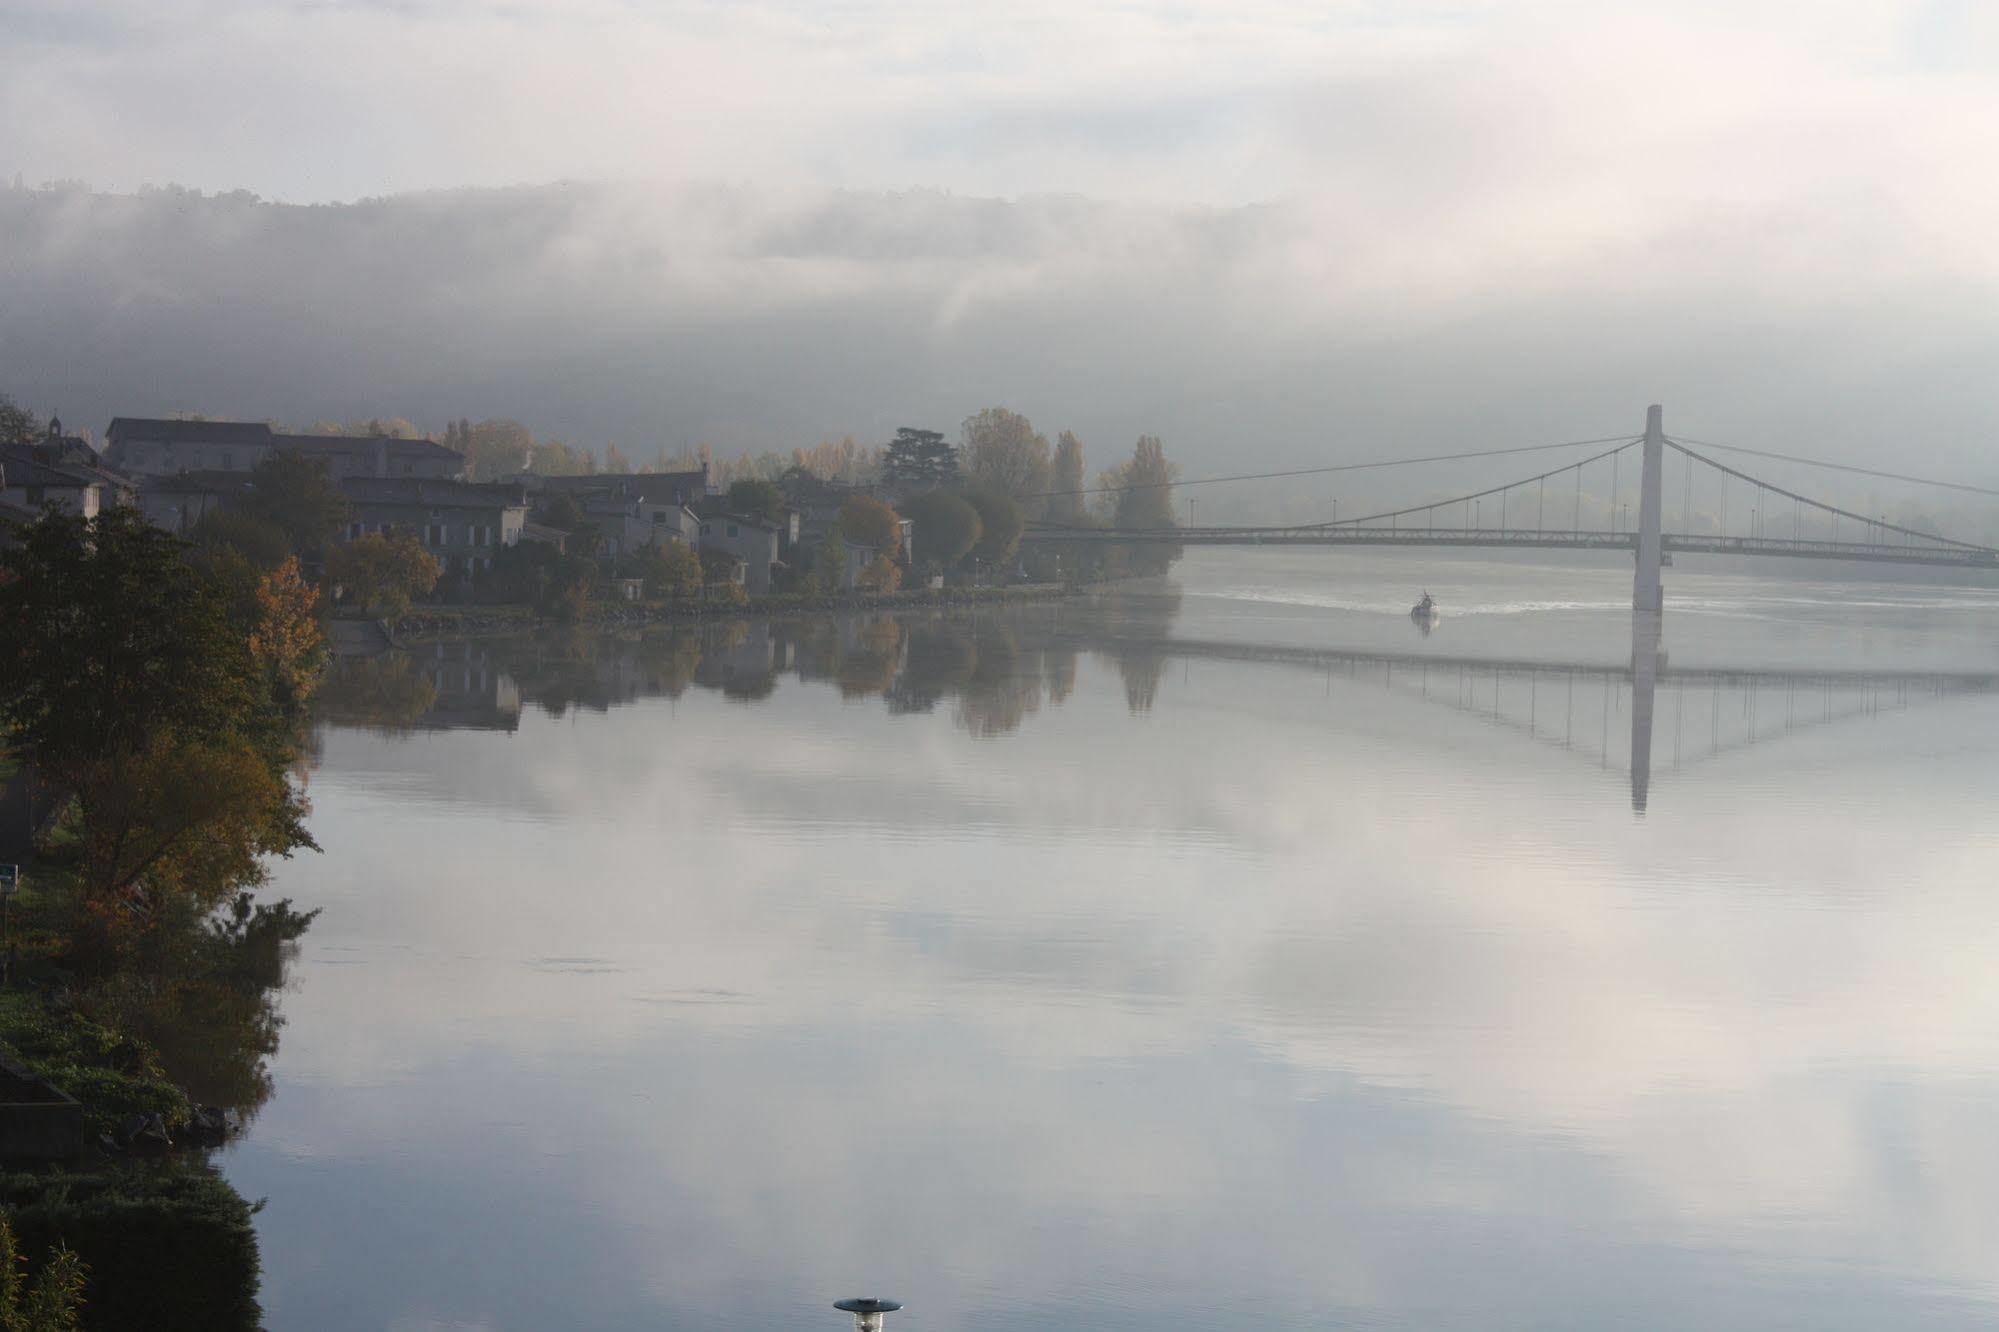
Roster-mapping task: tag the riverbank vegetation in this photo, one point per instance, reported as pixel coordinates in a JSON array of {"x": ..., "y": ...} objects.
[{"x": 161, "y": 688}]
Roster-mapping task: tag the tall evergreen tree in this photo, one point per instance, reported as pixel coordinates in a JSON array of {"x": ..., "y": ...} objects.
[
  {"x": 919, "y": 460},
  {"x": 1065, "y": 505}
]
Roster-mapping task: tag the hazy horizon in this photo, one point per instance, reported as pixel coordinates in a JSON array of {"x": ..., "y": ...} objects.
[{"x": 1398, "y": 229}]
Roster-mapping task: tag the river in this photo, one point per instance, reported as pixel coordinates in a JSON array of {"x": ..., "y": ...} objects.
[{"x": 1222, "y": 953}]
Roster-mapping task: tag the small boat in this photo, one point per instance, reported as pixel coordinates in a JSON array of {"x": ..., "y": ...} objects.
[{"x": 1425, "y": 611}]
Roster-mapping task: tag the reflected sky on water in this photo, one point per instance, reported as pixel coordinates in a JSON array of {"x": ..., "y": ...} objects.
[{"x": 1228, "y": 954}]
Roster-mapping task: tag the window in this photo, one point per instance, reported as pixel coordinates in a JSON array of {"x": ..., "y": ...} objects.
[{"x": 733, "y": 531}]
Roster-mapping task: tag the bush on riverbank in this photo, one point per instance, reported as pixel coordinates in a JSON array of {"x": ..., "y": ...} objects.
[
  {"x": 165, "y": 1247},
  {"x": 112, "y": 1075}
]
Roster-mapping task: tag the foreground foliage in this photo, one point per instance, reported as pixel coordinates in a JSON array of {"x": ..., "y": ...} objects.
[
  {"x": 167, "y": 697},
  {"x": 165, "y": 1247},
  {"x": 52, "y": 1303}
]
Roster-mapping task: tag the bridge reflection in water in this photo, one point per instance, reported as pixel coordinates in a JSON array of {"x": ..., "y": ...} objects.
[
  {"x": 994, "y": 671},
  {"x": 1576, "y": 706}
]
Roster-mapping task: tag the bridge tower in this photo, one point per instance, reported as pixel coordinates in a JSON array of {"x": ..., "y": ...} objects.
[
  {"x": 1648, "y": 601},
  {"x": 1646, "y": 594}
]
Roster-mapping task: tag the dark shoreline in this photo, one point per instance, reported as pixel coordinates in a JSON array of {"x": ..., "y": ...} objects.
[{"x": 364, "y": 637}]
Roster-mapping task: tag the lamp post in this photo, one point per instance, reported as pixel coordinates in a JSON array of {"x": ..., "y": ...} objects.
[{"x": 867, "y": 1313}]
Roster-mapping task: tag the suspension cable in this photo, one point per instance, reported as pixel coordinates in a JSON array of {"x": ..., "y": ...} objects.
[
  {"x": 1843, "y": 467},
  {"x": 1627, "y": 442},
  {"x": 1321, "y": 471},
  {"x": 1881, "y": 523}
]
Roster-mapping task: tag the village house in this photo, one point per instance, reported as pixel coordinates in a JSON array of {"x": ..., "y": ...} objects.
[
  {"x": 630, "y": 511},
  {"x": 63, "y": 470},
  {"x": 668, "y": 489},
  {"x": 27, "y": 483},
  {"x": 378, "y": 455},
  {"x": 145, "y": 446},
  {"x": 180, "y": 501},
  {"x": 754, "y": 541},
  {"x": 461, "y": 524}
]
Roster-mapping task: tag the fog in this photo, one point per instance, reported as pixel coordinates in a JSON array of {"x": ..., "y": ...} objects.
[
  {"x": 1269, "y": 234},
  {"x": 756, "y": 319}
]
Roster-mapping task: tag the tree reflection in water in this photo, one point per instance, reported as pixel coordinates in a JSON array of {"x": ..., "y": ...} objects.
[
  {"x": 390, "y": 693},
  {"x": 215, "y": 1023},
  {"x": 996, "y": 667}
]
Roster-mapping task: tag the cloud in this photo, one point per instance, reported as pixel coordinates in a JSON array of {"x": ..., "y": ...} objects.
[
  {"x": 1131, "y": 1020},
  {"x": 1265, "y": 232}
]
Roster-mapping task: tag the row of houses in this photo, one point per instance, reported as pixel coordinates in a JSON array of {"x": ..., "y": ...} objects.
[
  {"x": 177, "y": 472},
  {"x": 149, "y": 447}
]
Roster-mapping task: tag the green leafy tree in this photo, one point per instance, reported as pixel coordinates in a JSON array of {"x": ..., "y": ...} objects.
[
  {"x": 496, "y": 448},
  {"x": 17, "y": 423},
  {"x": 384, "y": 573},
  {"x": 1144, "y": 501},
  {"x": 756, "y": 498},
  {"x": 112, "y": 637},
  {"x": 571, "y": 582},
  {"x": 869, "y": 522},
  {"x": 1005, "y": 456},
  {"x": 167, "y": 706},
  {"x": 1000, "y": 525},
  {"x": 520, "y": 572},
  {"x": 562, "y": 512},
  {"x": 1065, "y": 505},
  {"x": 296, "y": 495},
  {"x": 264, "y": 544},
  {"x": 919, "y": 460},
  {"x": 829, "y": 563},
  {"x": 882, "y": 574},
  {"x": 943, "y": 527},
  {"x": 670, "y": 568}
]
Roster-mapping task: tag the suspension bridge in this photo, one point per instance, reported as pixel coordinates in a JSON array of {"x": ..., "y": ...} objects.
[{"x": 1546, "y": 511}]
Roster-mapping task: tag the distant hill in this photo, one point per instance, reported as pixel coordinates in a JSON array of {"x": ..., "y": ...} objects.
[{"x": 760, "y": 319}]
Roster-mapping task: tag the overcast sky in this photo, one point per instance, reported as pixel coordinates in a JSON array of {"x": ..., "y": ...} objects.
[{"x": 1407, "y": 219}]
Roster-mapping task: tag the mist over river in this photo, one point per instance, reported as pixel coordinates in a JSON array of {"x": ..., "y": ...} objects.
[{"x": 1225, "y": 951}]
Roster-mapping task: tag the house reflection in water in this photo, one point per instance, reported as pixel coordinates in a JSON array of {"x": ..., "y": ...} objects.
[
  {"x": 473, "y": 692},
  {"x": 996, "y": 669}
]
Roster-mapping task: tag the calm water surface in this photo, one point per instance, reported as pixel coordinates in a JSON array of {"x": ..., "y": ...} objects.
[{"x": 1225, "y": 954}]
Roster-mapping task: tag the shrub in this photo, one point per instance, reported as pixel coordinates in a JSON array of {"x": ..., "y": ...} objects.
[{"x": 166, "y": 1247}]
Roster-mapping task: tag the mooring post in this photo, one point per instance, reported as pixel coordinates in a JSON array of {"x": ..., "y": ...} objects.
[{"x": 1646, "y": 594}]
